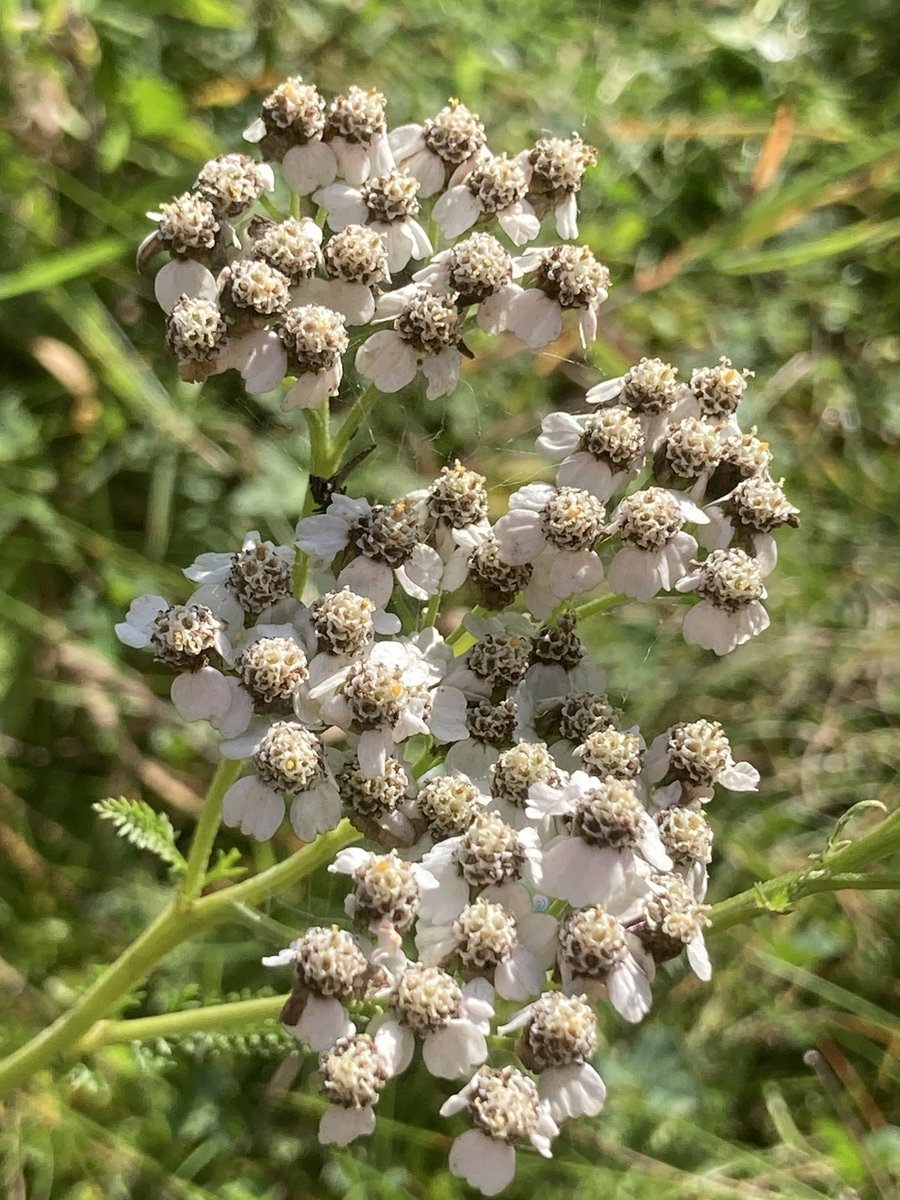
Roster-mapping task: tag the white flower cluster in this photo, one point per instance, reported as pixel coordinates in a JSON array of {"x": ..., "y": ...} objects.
[
  {"x": 529, "y": 857},
  {"x": 274, "y": 299}
]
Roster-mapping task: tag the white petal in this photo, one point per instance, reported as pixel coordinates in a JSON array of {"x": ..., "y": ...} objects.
[
  {"x": 183, "y": 277},
  {"x": 324, "y": 1020},
  {"x": 429, "y": 169},
  {"x": 343, "y": 204},
  {"x": 339, "y": 1126},
  {"x": 405, "y": 141},
  {"x": 519, "y": 222},
  {"x": 483, "y": 1163},
  {"x": 313, "y": 389},
  {"x": 353, "y": 161},
  {"x": 444, "y": 905},
  {"x": 535, "y": 318},
  {"x": 395, "y": 1043},
  {"x": 572, "y": 1091},
  {"x": 699, "y": 959},
  {"x": 254, "y": 807},
  {"x": 239, "y": 713},
  {"x": 420, "y": 575},
  {"x": 353, "y": 301},
  {"x": 308, "y": 167},
  {"x": 456, "y": 211},
  {"x": 442, "y": 372},
  {"x": 520, "y": 976},
  {"x": 629, "y": 991},
  {"x": 519, "y": 536},
  {"x": 387, "y": 360},
  {"x": 603, "y": 393},
  {"x": 560, "y": 434},
  {"x": 634, "y": 572},
  {"x": 711, "y": 628},
  {"x": 739, "y": 777},
  {"x": 566, "y": 217},
  {"x": 372, "y": 752},
  {"x": 315, "y": 811},
  {"x": 574, "y": 572},
  {"x": 369, "y": 578},
  {"x": 448, "y": 714},
  {"x": 201, "y": 695},
  {"x": 263, "y": 361},
  {"x": 323, "y": 535},
  {"x": 454, "y": 1050},
  {"x": 134, "y": 631}
]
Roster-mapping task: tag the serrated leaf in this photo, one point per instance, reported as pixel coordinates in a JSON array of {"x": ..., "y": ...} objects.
[{"x": 145, "y": 828}]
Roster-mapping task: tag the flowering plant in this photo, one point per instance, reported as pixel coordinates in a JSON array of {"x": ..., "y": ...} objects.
[{"x": 529, "y": 860}]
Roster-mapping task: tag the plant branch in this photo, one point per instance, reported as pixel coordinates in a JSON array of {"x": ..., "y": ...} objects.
[
  {"x": 207, "y": 828},
  {"x": 834, "y": 871}
]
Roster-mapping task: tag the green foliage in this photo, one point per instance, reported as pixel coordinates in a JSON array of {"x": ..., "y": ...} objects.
[
  {"x": 144, "y": 827},
  {"x": 745, "y": 202}
]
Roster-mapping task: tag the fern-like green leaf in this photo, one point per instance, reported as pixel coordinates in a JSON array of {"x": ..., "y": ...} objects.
[{"x": 145, "y": 828}]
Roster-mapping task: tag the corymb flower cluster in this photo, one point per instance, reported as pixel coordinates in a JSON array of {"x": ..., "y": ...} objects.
[{"x": 526, "y": 859}]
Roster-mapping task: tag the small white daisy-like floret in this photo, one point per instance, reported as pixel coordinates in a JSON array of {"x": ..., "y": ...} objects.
[
  {"x": 385, "y": 888},
  {"x": 232, "y": 183},
  {"x": 596, "y": 953},
  {"x": 271, "y": 669},
  {"x": 458, "y": 497},
  {"x": 252, "y": 286},
  {"x": 691, "y": 450},
  {"x": 759, "y": 504},
  {"x": 452, "y": 137},
  {"x": 671, "y": 919},
  {"x": 559, "y": 1033},
  {"x": 292, "y": 114},
  {"x": 184, "y": 635},
  {"x": 428, "y": 1004},
  {"x": 494, "y": 186},
  {"x": 427, "y": 331},
  {"x": 196, "y": 334},
  {"x": 611, "y": 844},
  {"x": 448, "y": 805},
  {"x": 690, "y": 758},
  {"x": 516, "y": 770},
  {"x": 505, "y": 1107},
  {"x": 256, "y": 577},
  {"x": 611, "y": 751},
  {"x": 289, "y": 759},
  {"x": 292, "y": 247},
  {"x": 565, "y": 277},
  {"x": 187, "y": 225},
  {"x": 598, "y": 450},
  {"x": 656, "y": 552},
  {"x": 497, "y": 581},
  {"x": 330, "y": 969},
  {"x": 719, "y": 390},
  {"x": 357, "y": 254},
  {"x": 354, "y": 1072},
  {"x": 558, "y": 166},
  {"x": 343, "y": 622},
  {"x": 375, "y": 796},
  {"x": 730, "y": 586}
]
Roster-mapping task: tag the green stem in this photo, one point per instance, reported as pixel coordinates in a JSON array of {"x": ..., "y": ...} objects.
[
  {"x": 838, "y": 870},
  {"x": 600, "y": 605},
  {"x": 167, "y": 931},
  {"x": 283, "y": 875},
  {"x": 178, "y": 921},
  {"x": 177, "y": 1024},
  {"x": 357, "y": 414},
  {"x": 321, "y": 453},
  {"x": 207, "y": 828}
]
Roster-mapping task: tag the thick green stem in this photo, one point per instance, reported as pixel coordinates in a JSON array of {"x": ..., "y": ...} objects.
[
  {"x": 169, "y": 928},
  {"x": 179, "y": 921},
  {"x": 602, "y": 604},
  {"x": 207, "y": 828},
  {"x": 836, "y": 871}
]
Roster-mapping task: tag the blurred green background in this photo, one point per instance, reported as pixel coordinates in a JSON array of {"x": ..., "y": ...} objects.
[{"x": 745, "y": 202}]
